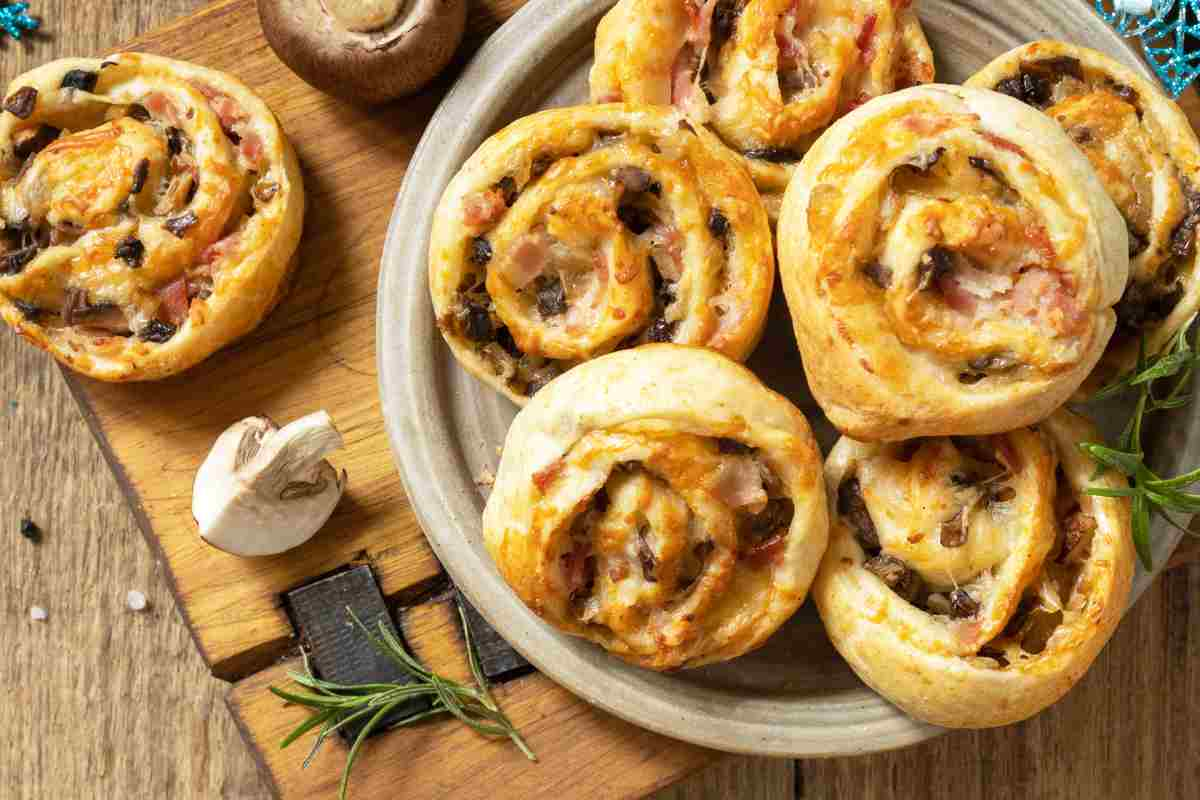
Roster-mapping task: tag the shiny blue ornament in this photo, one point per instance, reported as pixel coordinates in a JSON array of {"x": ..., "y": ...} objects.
[
  {"x": 1170, "y": 35},
  {"x": 13, "y": 19}
]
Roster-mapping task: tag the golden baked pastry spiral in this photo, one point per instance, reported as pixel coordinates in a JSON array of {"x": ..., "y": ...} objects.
[
  {"x": 950, "y": 262},
  {"x": 1147, "y": 156},
  {"x": 150, "y": 209},
  {"x": 662, "y": 503},
  {"x": 970, "y": 581},
  {"x": 767, "y": 75},
  {"x": 577, "y": 231}
]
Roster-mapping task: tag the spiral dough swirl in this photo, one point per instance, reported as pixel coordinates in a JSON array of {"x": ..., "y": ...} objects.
[
  {"x": 767, "y": 75},
  {"x": 1147, "y": 156},
  {"x": 578, "y": 231},
  {"x": 150, "y": 209},
  {"x": 662, "y": 503},
  {"x": 971, "y": 581},
  {"x": 950, "y": 262}
]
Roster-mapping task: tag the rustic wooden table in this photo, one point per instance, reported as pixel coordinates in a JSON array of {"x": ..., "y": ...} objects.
[{"x": 113, "y": 703}]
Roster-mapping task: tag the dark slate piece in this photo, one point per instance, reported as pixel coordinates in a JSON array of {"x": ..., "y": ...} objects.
[
  {"x": 338, "y": 650},
  {"x": 497, "y": 659}
]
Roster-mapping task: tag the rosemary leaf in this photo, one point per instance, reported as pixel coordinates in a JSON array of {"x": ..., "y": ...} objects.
[
  {"x": 336, "y": 705},
  {"x": 1151, "y": 495}
]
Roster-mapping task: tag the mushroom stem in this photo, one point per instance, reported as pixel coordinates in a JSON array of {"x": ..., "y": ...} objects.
[
  {"x": 263, "y": 489},
  {"x": 288, "y": 464}
]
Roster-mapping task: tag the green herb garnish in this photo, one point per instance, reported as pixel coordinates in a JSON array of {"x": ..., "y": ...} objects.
[
  {"x": 1151, "y": 495},
  {"x": 338, "y": 704}
]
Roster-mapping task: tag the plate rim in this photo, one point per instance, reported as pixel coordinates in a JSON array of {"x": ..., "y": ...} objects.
[{"x": 408, "y": 371}]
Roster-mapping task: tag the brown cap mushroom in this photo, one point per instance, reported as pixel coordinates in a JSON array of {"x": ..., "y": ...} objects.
[{"x": 367, "y": 51}]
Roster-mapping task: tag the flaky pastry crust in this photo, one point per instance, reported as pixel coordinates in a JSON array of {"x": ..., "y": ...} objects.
[
  {"x": 1147, "y": 157},
  {"x": 767, "y": 75},
  {"x": 971, "y": 582},
  {"x": 950, "y": 262},
  {"x": 662, "y": 503},
  {"x": 151, "y": 210},
  {"x": 578, "y": 231}
]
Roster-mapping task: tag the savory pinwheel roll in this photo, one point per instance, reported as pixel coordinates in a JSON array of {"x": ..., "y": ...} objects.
[
  {"x": 662, "y": 503},
  {"x": 767, "y": 75},
  {"x": 1148, "y": 158},
  {"x": 150, "y": 212},
  {"x": 970, "y": 581},
  {"x": 950, "y": 262},
  {"x": 578, "y": 231}
]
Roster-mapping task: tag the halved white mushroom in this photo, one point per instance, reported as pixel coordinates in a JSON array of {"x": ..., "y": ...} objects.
[
  {"x": 265, "y": 489},
  {"x": 366, "y": 51}
]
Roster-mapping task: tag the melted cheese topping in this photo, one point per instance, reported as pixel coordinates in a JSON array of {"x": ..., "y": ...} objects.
[
  {"x": 767, "y": 75},
  {"x": 661, "y": 503},
  {"x": 989, "y": 619},
  {"x": 1147, "y": 157},
  {"x": 149, "y": 189},
  {"x": 946, "y": 251},
  {"x": 580, "y": 231}
]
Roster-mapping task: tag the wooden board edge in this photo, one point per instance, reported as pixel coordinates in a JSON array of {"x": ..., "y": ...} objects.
[
  {"x": 621, "y": 761},
  {"x": 74, "y": 385},
  {"x": 256, "y": 751}
]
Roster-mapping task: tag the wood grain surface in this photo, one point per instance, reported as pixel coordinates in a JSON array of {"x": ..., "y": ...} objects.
[{"x": 112, "y": 703}]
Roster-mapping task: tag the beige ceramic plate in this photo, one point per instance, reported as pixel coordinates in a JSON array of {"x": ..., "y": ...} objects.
[{"x": 795, "y": 696}]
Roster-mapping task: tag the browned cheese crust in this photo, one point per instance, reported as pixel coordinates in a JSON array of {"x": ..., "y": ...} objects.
[
  {"x": 150, "y": 208},
  {"x": 767, "y": 75},
  {"x": 578, "y": 231},
  {"x": 970, "y": 581},
  {"x": 950, "y": 262},
  {"x": 662, "y": 503},
  {"x": 1147, "y": 157}
]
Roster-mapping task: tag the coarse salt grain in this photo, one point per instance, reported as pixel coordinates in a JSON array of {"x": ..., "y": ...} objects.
[
  {"x": 136, "y": 600},
  {"x": 37, "y": 613}
]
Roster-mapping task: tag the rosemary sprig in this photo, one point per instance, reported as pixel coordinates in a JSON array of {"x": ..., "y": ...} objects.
[
  {"x": 1150, "y": 494},
  {"x": 336, "y": 704}
]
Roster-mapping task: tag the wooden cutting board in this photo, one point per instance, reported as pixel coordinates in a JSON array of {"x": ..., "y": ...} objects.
[{"x": 317, "y": 351}]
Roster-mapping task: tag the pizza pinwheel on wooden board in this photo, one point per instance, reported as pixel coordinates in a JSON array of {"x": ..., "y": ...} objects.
[
  {"x": 151, "y": 209},
  {"x": 767, "y": 75},
  {"x": 969, "y": 580},
  {"x": 662, "y": 503},
  {"x": 1147, "y": 156},
  {"x": 950, "y": 261},
  {"x": 577, "y": 231}
]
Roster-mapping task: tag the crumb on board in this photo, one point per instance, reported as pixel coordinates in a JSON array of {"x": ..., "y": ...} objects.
[
  {"x": 486, "y": 478},
  {"x": 37, "y": 613},
  {"x": 30, "y": 530},
  {"x": 135, "y": 600}
]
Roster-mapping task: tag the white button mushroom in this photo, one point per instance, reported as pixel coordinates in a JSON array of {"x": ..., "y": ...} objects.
[
  {"x": 366, "y": 51},
  {"x": 264, "y": 489}
]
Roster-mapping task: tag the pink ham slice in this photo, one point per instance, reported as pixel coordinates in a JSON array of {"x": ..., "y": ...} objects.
[
  {"x": 739, "y": 485},
  {"x": 483, "y": 208},
  {"x": 1042, "y": 292},
  {"x": 173, "y": 306},
  {"x": 527, "y": 260},
  {"x": 685, "y": 90}
]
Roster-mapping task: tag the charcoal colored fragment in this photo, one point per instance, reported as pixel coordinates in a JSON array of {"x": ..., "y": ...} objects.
[
  {"x": 21, "y": 102},
  {"x": 338, "y": 650},
  {"x": 497, "y": 659},
  {"x": 131, "y": 251},
  {"x": 157, "y": 331},
  {"x": 80, "y": 79}
]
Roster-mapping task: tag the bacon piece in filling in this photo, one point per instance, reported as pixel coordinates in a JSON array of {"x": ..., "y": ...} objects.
[
  {"x": 173, "y": 307},
  {"x": 483, "y": 208}
]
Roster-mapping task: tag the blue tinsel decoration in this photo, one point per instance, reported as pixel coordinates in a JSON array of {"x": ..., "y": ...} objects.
[
  {"x": 1170, "y": 36},
  {"x": 13, "y": 19}
]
